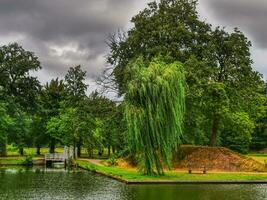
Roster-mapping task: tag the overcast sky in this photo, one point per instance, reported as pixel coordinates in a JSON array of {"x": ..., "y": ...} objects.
[{"x": 66, "y": 33}]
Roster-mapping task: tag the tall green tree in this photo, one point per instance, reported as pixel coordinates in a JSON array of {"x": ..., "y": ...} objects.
[
  {"x": 217, "y": 64},
  {"x": 103, "y": 109},
  {"x": 20, "y": 134},
  {"x": 71, "y": 125},
  {"x": 169, "y": 28},
  {"x": 76, "y": 87},
  {"x": 16, "y": 64},
  {"x": 154, "y": 110},
  {"x": 18, "y": 86},
  {"x": 230, "y": 59},
  {"x": 51, "y": 95}
]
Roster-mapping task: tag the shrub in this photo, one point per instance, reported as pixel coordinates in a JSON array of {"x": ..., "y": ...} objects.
[
  {"x": 112, "y": 161},
  {"x": 237, "y": 131},
  {"x": 28, "y": 161}
]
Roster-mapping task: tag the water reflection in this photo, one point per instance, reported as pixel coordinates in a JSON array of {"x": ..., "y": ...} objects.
[
  {"x": 202, "y": 192},
  {"x": 47, "y": 183}
]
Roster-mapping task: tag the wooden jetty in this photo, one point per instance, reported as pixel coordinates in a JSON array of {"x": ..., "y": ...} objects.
[{"x": 59, "y": 157}]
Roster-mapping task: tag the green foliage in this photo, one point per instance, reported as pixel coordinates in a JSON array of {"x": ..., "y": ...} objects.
[
  {"x": 259, "y": 140},
  {"x": 115, "y": 130},
  {"x": 20, "y": 134},
  {"x": 237, "y": 132},
  {"x": 216, "y": 61},
  {"x": 19, "y": 90},
  {"x": 51, "y": 96},
  {"x": 49, "y": 106},
  {"x": 112, "y": 161},
  {"x": 154, "y": 110},
  {"x": 5, "y": 123},
  {"x": 15, "y": 65},
  {"x": 28, "y": 160},
  {"x": 169, "y": 28},
  {"x": 74, "y": 84},
  {"x": 215, "y": 100},
  {"x": 64, "y": 127}
]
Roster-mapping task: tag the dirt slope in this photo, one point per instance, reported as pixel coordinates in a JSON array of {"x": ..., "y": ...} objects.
[{"x": 215, "y": 158}]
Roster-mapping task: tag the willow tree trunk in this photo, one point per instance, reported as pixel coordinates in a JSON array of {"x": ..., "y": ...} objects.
[{"x": 214, "y": 131}]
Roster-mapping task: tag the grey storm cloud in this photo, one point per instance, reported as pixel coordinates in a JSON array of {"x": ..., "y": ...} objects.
[
  {"x": 250, "y": 16},
  {"x": 64, "y": 33}
]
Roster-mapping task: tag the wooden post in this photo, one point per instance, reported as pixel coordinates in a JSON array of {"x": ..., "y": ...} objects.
[{"x": 190, "y": 169}]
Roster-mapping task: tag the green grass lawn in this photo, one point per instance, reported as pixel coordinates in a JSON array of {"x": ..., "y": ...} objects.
[
  {"x": 13, "y": 151},
  {"x": 15, "y": 160},
  {"x": 132, "y": 175},
  {"x": 11, "y": 160}
]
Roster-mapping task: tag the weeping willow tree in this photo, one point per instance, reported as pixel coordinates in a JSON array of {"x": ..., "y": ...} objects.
[{"x": 154, "y": 111}]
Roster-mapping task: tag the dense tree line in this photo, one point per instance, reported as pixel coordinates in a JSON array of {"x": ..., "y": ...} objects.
[
  {"x": 58, "y": 113},
  {"x": 225, "y": 97},
  {"x": 183, "y": 82}
]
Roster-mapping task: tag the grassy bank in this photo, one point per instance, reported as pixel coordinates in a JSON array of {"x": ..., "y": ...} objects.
[
  {"x": 16, "y": 160},
  {"x": 132, "y": 175},
  {"x": 11, "y": 160}
]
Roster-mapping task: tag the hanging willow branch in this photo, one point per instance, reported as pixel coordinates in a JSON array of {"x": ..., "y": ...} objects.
[{"x": 154, "y": 110}]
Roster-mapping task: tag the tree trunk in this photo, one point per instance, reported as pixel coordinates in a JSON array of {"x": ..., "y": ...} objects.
[
  {"x": 21, "y": 151},
  {"x": 38, "y": 151},
  {"x": 52, "y": 146},
  {"x": 214, "y": 131},
  {"x": 74, "y": 150},
  {"x": 108, "y": 151},
  {"x": 113, "y": 149},
  {"x": 3, "y": 152},
  {"x": 79, "y": 148}
]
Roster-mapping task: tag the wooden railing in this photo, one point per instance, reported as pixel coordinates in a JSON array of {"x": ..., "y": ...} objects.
[{"x": 55, "y": 157}]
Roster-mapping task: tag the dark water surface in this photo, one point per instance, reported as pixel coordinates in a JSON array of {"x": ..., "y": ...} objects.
[{"x": 42, "y": 184}]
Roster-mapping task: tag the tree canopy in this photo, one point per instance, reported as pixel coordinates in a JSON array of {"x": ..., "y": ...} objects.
[{"x": 217, "y": 64}]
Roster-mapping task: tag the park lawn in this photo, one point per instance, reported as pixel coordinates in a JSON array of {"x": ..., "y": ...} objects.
[
  {"x": 11, "y": 160},
  {"x": 18, "y": 160},
  {"x": 260, "y": 157},
  {"x": 132, "y": 175},
  {"x": 13, "y": 151}
]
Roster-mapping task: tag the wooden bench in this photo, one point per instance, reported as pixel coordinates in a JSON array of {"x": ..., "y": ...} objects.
[{"x": 203, "y": 169}]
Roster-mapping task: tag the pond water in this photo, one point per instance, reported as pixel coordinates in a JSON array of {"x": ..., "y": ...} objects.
[{"x": 40, "y": 183}]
